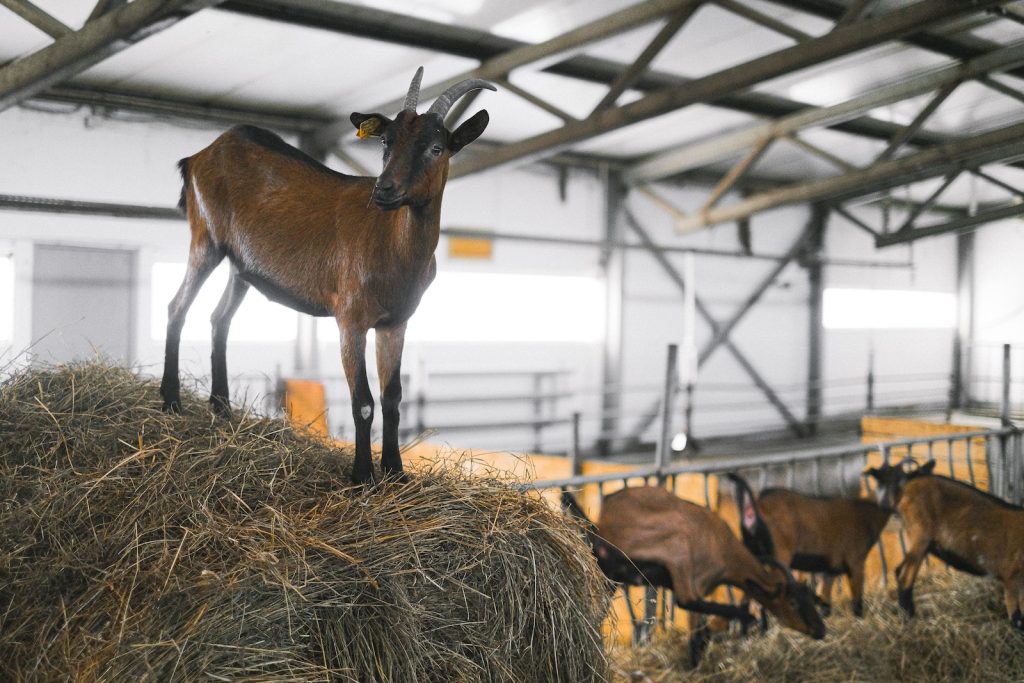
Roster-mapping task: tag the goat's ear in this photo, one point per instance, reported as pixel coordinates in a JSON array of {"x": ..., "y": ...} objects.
[
  {"x": 872, "y": 472},
  {"x": 469, "y": 131},
  {"x": 926, "y": 468},
  {"x": 369, "y": 125}
]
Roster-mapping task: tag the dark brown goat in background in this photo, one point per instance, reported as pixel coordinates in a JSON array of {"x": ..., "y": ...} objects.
[
  {"x": 831, "y": 535},
  {"x": 358, "y": 249},
  {"x": 972, "y": 531},
  {"x": 647, "y": 535}
]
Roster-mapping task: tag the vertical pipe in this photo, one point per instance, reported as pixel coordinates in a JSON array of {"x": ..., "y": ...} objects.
[
  {"x": 613, "y": 266},
  {"x": 575, "y": 465},
  {"x": 871, "y": 379},
  {"x": 664, "y": 455},
  {"x": 812, "y": 259},
  {"x": 1004, "y": 412},
  {"x": 690, "y": 363},
  {"x": 538, "y": 410},
  {"x": 964, "y": 339}
]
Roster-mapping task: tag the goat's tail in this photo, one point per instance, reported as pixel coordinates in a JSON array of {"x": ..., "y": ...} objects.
[
  {"x": 183, "y": 198},
  {"x": 757, "y": 537}
]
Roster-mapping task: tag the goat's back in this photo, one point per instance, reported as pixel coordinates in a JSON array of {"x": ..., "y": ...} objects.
[
  {"x": 983, "y": 530},
  {"x": 651, "y": 523},
  {"x": 818, "y": 525}
]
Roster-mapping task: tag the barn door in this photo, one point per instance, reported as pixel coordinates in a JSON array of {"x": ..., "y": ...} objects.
[{"x": 83, "y": 302}]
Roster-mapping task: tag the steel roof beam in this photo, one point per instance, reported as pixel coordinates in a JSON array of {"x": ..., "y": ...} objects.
[
  {"x": 41, "y": 20},
  {"x": 1001, "y": 144},
  {"x": 958, "y": 225},
  {"x": 841, "y": 41},
  {"x": 960, "y": 47},
  {"x": 501, "y": 65},
  {"x": 471, "y": 43},
  {"x": 719, "y": 147},
  {"x": 94, "y": 42}
]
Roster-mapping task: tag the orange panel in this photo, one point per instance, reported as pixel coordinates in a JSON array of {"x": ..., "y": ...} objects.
[{"x": 306, "y": 405}]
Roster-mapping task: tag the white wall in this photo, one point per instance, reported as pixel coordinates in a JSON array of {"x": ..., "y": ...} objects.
[{"x": 999, "y": 308}]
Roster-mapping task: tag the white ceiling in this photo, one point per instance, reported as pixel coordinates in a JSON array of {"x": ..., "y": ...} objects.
[{"x": 223, "y": 58}]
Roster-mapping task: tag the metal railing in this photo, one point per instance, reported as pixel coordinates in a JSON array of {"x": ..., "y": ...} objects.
[{"x": 1003, "y": 451}]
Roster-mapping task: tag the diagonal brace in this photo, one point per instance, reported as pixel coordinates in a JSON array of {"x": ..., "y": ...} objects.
[
  {"x": 723, "y": 332},
  {"x": 670, "y": 270}
]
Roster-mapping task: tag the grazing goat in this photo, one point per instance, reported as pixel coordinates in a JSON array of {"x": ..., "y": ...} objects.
[
  {"x": 812, "y": 534},
  {"x": 970, "y": 530},
  {"x": 358, "y": 249},
  {"x": 647, "y": 535}
]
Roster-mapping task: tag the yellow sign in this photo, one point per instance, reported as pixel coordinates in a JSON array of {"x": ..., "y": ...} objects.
[{"x": 470, "y": 247}]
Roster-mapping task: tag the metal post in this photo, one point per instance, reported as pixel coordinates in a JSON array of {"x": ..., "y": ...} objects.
[
  {"x": 613, "y": 265},
  {"x": 575, "y": 464},
  {"x": 538, "y": 410},
  {"x": 815, "y": 277},
  {"x": 871, "y": 380},
  {"x": 963, "y": 342},
  {"x": 664, "y": 453},
  {"x": 1004, "y": 412}
]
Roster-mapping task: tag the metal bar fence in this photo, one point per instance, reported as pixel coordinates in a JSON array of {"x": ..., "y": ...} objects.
[{"x": 1003, "y": 454}]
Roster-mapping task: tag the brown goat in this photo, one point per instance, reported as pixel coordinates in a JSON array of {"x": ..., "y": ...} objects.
[
  {"x": 358, "y": 249},
  {"x": 647, "y": 535},
  {"x": 831, "y": 535},
  {"x": 970, "y": 530}
]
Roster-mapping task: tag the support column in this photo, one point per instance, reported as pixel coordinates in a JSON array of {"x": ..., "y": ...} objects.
[
  {"x": 812, "y": 259},
  {"x": 963, "y": 338},
  {"x": 613, "y": 266}
]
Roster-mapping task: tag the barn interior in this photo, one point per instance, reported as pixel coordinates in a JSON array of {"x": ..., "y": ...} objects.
[{"x": 696, "y": 235}]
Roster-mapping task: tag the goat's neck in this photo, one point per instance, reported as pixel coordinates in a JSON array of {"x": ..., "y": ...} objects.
[
  {"x": 416, "y": 231},
  {"x": 747, "y": 568}
]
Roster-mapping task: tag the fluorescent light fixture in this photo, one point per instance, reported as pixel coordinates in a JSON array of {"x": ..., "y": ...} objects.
[
  {"x": 887, "y": 309},
  {"x": 6, "y": 298},
  {"x": 257, "y": 320}
]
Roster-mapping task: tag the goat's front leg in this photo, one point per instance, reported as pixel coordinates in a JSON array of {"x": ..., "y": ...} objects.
[
  {"x": 389, "y": 368},
  {"x": 353, "y": 360}
]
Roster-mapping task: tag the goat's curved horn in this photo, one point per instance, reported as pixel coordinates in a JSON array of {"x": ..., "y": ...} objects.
[
  {"x": 412, "y": 98},
  {"x": 445, "y": 101}
]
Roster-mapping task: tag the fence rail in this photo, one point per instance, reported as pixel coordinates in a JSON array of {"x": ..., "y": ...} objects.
[{"x": 1004, "y": 477}]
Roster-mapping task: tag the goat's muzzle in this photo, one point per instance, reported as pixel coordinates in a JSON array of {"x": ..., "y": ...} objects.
[{"x": 387, "y": 195}]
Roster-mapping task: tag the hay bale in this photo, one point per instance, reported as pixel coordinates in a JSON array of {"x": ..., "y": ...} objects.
[
  {"x": 961, "y": 634},
  {"x": 141, "y": 546}
]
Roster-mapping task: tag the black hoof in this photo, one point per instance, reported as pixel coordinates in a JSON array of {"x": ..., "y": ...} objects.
[
  {"x": 1017, "y": 620},
  {"x": 220, "y": 406},
  {"x": 364, "y": 477},
  {"x": 825, "y": 609},
  {"x": 906, "y": 600},
  {"x": 172, "y": 406},
  {"x": 858, "y": 608}
]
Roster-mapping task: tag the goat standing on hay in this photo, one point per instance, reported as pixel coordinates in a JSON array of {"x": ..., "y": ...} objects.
[
  {"x": 812, "y": 534},
  {"x": 647, "y": 535},
  {"x": 968, "y": 529},
  {"x": 324, "y": 243}
]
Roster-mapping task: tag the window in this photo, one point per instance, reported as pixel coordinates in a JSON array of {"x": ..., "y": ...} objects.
[
  {"x": 853, "y": 309},
  {"x": 258, "y": 319},
  {"x": 493, "y": 307},
  {"x": 6, "y": 298}
]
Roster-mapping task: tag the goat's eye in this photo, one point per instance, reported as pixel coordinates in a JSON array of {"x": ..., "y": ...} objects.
[{"x": 384, "y": 141}]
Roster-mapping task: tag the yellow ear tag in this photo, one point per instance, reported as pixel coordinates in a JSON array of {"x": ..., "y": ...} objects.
[{"x": 367, "y": 128}]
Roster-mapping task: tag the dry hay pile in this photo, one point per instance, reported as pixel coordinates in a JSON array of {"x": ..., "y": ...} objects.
[
  {"x": 141, "y": 546},
  {"x": 960, "y": 634}
]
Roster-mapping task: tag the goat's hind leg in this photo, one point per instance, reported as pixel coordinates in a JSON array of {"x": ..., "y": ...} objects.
[
  {"x": 906, "y": 573},
  {"x": 699, "y": 636},
  {"x": 232, "y": 298},
  {"x": 1013, "y": 592},
  {"x": 203, "y": 257}
]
